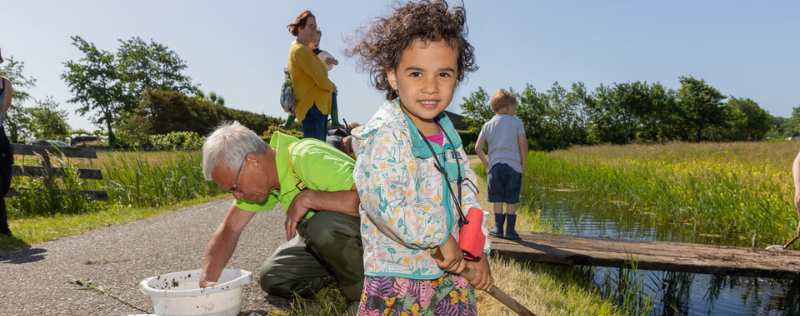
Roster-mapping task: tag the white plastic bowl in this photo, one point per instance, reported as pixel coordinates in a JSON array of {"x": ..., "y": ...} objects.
[{"x": 179, "y": 293}]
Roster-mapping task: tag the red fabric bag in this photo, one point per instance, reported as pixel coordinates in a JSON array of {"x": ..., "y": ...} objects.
[{"x": 471, "y": 238}]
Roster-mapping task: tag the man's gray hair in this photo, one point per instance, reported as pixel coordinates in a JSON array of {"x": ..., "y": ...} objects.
[{"x": 230, "y": 143}]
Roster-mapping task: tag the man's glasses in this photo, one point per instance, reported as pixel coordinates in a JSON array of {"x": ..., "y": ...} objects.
[{"x": 235, "y": 182}]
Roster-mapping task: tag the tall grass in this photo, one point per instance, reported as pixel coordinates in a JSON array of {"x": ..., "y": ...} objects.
[
  {"x": 739, "y": 193},
  {"x": 132, "y": 179}
]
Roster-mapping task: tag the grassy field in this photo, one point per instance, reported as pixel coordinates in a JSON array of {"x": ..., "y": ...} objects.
[{"x": 727, "y": 193}]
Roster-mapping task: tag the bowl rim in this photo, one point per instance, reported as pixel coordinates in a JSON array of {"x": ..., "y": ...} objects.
[{"x": 245, "y": 278}]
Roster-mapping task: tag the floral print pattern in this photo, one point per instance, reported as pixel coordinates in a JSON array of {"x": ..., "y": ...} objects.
[{"x": 448, "y": 295}]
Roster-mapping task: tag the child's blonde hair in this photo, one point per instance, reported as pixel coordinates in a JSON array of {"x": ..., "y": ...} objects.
[
  {"x": 502, "y": 99},
  {"x": 380, "y": 43}
]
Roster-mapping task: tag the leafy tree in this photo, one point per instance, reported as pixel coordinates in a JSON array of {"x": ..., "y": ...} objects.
[
  {"x": 152, "y": 66},
  {"x": 212, "y": 97},
  {"x": 47, "y": 121},
  {"x": 561, "y": 118},
  {"x": 750, "y": 122},
  {"x": 701, "y": 104},
  {"x": 777, "y": 128},
  {"x": 792, "y": 125},
  {"x": 17, "y": 120},
  {"x": 476, "y": 109},
  {"x": 634, "y": 104},
  {"x": 112, "y": 84},
  {"x": 532, "y": 110},
  {"x": 660, "y": 118},
  {"x": 605, "y": 116},
  {"x": 97, "y": 86}
]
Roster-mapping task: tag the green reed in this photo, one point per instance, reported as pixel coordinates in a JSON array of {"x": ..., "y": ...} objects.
[
  {"x": 736, "y": 194},
  {"x": 131, "y": 178}
]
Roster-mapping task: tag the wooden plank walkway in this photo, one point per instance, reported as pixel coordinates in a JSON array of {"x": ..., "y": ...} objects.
[{"x": 651, "y": 255}]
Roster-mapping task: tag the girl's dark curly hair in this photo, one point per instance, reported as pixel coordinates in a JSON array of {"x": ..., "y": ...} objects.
[{"x": 379, "y": 44}]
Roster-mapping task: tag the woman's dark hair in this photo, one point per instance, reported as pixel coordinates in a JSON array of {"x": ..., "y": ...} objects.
[
  {"x": 300, "y": 22},
  {"x": 379, "y": 44}
]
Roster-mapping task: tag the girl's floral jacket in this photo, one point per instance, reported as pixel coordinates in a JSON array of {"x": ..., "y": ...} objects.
[{"x": 406, "y": 208}]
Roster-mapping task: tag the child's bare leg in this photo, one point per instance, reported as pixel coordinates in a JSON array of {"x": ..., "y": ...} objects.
[
  {"x": 511, "y": 208},
  {"x": 498, "y": 207}
]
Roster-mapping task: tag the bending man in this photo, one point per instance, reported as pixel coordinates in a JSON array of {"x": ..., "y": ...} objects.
[{"x": 313, "y": 182}]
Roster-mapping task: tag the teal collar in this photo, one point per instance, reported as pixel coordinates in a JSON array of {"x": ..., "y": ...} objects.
[{"x": 418, "y": 146}]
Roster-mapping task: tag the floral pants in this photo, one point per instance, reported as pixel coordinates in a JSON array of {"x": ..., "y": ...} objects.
[{"x": 448, "y": 295}]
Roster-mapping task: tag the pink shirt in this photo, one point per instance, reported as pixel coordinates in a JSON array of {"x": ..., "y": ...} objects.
[{"x": 438, "y": 138}]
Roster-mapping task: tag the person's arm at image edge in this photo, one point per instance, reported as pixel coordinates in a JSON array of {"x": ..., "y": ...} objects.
[
  {"x": 9, "y": 94},
  {"x": 523, "y": 151},
  {"x": 796, "y": 174},
  {"x": 307, "y": 61},
  {"x": 223, "y": 244}
]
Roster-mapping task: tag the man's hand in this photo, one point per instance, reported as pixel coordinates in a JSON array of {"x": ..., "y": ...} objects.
[
  {"x": 346, "y": 145},
  {"x": 453, "y": 259},
  {"x": 222, "y": 244},
  {"x": 297, "y": 210},
  {"x": 483, "y": 275}
]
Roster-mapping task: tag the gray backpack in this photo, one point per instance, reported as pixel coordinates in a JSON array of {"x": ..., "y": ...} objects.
[{"x": 287, "y": 93}]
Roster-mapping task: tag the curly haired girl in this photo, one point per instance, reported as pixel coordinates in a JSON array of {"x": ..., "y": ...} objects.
[{"x": 411, "y": 171}]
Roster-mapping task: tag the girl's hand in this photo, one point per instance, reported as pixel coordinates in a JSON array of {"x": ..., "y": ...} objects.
[
  {"x": 453, "y": 259},
  {"x": 483, "y": 275}
]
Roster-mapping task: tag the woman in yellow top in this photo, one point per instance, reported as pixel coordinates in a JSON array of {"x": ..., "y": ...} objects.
[{"x": 312, "y": 88}]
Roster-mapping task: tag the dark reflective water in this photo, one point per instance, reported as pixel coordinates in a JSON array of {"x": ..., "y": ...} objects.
[{"x": 678, "y": 293}]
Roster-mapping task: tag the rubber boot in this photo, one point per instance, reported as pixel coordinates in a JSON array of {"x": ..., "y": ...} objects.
[
  {"x": 335, "y": 118},
  {"x": 289, "y": 121},
  {"x": 511, "y": 233},
  {"x": 497, "y": 231}
]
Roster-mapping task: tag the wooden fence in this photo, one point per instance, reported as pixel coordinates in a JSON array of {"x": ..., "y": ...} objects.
[{"x": 53, "y": 172}]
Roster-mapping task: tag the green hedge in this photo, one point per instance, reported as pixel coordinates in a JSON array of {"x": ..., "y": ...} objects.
[{"x": 468, "y": 140}]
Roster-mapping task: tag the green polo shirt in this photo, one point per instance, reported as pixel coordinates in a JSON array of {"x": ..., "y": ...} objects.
[{"x": 319, "y": 166}]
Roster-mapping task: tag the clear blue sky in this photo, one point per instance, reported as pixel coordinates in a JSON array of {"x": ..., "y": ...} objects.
[{"x": 748, "y": 49}]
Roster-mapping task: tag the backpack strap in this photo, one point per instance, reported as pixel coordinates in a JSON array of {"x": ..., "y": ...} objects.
[{"x": 300, "y": 185}]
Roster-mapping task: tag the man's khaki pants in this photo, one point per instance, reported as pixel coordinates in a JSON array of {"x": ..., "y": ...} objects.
[{"x": 326, "y": 248}]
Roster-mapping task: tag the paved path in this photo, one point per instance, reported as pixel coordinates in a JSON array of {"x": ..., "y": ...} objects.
[{"x": 34, "y": 278}]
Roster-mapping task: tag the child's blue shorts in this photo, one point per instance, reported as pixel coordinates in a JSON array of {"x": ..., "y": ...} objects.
[{"x": 503, "y": 184}]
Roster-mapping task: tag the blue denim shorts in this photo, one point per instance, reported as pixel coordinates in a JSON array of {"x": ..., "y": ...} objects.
[{"x": 503, "y": 184}]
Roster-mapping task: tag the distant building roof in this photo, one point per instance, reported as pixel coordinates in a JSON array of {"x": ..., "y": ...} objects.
[{"x": 458, "y": 120}]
